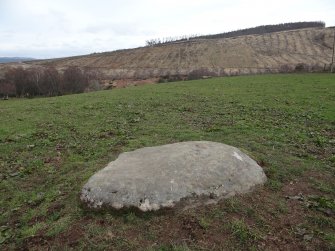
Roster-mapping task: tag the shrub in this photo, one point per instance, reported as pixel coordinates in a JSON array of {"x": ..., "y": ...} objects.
[
  {"x": 301, "y": 67},
  {"x": 200, "y": 73}
]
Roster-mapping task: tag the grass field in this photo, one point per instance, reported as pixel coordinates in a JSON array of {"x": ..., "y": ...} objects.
[{"x": 49, "y": 147}]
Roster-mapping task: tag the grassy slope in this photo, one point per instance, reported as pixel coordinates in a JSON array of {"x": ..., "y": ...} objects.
[{"x": 49, "y": 147}]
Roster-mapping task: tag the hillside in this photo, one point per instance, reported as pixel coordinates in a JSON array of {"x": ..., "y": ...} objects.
[
  {"x": 272, "y": 52},
  {"x": 14, "y": 59},
  {"x": 49, "y": 147}
]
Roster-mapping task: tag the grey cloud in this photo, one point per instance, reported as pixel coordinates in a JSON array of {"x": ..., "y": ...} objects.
[
  {"x": 63, "y": 28},
  {"x": 119, "y": 29}
]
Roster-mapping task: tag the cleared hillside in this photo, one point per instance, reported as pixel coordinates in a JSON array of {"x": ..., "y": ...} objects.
[
  {"x": 250, "y": 54},
  {"x": 244, "y": 54}
]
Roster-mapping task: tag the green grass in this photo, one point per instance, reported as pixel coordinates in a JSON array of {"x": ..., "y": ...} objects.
[
  {"x": 49, "y": 147},
  {"x": 242, "y": 232}
]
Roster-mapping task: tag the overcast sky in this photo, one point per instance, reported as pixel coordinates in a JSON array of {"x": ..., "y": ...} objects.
[{"x": 58, "y": 28}]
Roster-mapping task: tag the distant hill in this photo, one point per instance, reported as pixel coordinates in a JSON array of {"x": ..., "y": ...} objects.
[
  {"x": 14, "y": 59},
  {"x": 236, "y": 53},
  {"x": 283, "y": 51}
]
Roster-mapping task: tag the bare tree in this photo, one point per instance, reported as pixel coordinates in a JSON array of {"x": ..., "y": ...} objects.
[
  {"x": 18, "y": 77},
  {"x": 34, "y": 82},
  {"x": 7, "y": 88},
  {"x": 51, "y": 82},
  {"x": 74, "y": 81},
  {"x": 93, "y": 76},
  {"x": 48, "y": 81}
]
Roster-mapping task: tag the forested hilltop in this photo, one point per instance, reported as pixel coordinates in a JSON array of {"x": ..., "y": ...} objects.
[{"x": 259, "y": 30}]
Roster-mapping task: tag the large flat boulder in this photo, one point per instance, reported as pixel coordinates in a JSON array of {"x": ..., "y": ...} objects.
[{"x": 180, "y": 174}]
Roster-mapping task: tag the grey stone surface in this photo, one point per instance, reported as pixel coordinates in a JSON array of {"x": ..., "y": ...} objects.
[{"x": 181, "y": 174}]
